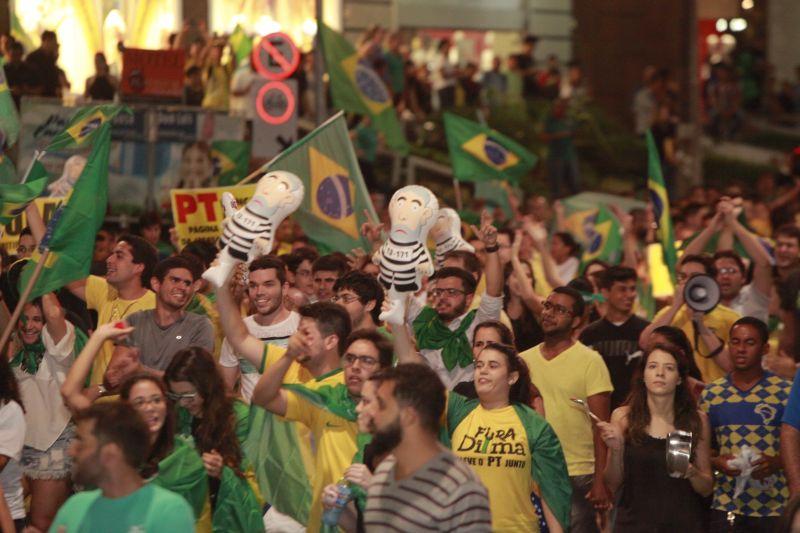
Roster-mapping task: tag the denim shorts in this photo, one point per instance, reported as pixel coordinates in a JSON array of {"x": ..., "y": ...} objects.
[{"x": 53, "y": 463}]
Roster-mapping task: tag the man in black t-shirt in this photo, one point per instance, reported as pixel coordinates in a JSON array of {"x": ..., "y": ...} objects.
[{"x": 616, "y": 335}]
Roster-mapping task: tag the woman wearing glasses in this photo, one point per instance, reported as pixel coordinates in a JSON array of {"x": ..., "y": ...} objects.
[
  {"x": 218, "y": 424},
  {"x": 173, "y": 463},
  {"x": 508, "y": 444}
]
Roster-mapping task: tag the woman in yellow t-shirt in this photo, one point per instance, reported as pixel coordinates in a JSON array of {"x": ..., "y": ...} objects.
[{"x": 509, "y": 445}]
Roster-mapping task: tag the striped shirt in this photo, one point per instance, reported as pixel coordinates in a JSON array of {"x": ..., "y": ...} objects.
[
  {"x": 242, "y": 229},
  {"x": 399, "y": 263},
  {"x": 444, "y": 495},
  {"x": 453, "y": 242}
]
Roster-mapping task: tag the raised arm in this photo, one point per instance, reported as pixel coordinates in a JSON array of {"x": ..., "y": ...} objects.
[
  {"x": 54, "y": 317},
  {"x": 268, "y": 393},
  {"x": 72, "y": 389},
  {"x": 487, "y": 233},
  {"x": 35, "y": 222},
  {"x": 539, "y": 236},
  {"x": 532, "y": 301},
  {"x": 698, "y": 245},
  {"x": 613, "y": 434},
  {"x": 234, "y": 328},
  {"x": 663, "y": 319},
  {"x": 762, "y": 264}
]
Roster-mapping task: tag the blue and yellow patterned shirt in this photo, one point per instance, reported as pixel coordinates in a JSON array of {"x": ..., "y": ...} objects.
[{"x": 748, "y": 417}]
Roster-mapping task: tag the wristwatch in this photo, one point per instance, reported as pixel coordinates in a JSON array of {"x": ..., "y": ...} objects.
[{"x": 493, "y": 248}]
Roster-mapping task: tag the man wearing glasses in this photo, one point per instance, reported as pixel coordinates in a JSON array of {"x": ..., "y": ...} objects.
[
  {"x": 444, "y": 330},
  {"x": 707, "y": 332},
  {"x": 563, "y": 368},
  {"x": 329, "y": 411},
  {"x": 362, "y": 295}
]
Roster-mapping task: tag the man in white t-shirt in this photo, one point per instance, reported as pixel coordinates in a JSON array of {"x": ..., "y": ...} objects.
[
  {"x": 12, "y": 438},
  {"x": 272, "y": 322}
]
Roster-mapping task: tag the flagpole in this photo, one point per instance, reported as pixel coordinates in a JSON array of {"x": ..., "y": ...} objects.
[
  {"x": 23, "y": 297},
  {"x": 37, "y": 155},
  {"x": 459, "y": 202}
]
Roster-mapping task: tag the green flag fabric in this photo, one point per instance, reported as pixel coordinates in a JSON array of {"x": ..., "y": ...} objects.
[
  {"x": 15, "y": 197},
  {"x": 335, "y": 197},
  {"x": 183, "y": 473},
  {"x": 660, "y": 200},
  {"x": 8, "y": 174},
  {"x": 605, "y": 240},
  {"x": 496, "y": 194},
  {"x": 72, "y": 242},
  {"x": 231, "y": 161},
  {"x": 237, "y": 507},
  {"x": 357, "y": 88},
  {"x": 479, "y": 153},
  {"x": 333, "y": 398},
  {"x": 242, "y": 45},
  {"x": 84, "y": 127},
  {"x": 9, "y": 118}
]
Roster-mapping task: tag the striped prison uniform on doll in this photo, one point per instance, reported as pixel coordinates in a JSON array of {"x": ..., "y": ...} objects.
[
  {"x": 242, "y": 229},
  {"x": 399, "y": 263}
]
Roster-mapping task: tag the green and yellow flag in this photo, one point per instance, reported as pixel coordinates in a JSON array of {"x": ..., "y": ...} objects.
[
  {"x": 242, "y": 45},
  {"x": 604, "y": 242},
  {"x": 335, "y": 197},
  {"x": 660, "y": 201},
  {"x": 72, "y": 242},
  {"x": 84, "y": 127},
  {"x": 231, "y": 161},
  {"x": 357, "y": 88},
  {"x": 15, "y": 197},
  {"x": 9, "y": 118},
  {"x": 479, "y": 153}
]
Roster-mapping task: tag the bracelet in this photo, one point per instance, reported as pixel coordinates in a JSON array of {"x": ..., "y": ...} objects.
[{"x": 492, "y": 249}]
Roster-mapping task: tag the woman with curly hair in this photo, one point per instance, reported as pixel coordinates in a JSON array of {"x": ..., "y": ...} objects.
[
  {"x": 659, "y": 402},
  {"x": 218, "y": 424}
]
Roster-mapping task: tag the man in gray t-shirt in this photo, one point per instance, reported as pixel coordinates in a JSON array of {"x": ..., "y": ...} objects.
[{"x": 161, "y": 332}]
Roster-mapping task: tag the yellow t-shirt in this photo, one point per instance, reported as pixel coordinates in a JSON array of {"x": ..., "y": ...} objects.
[
  {"x": 577, "y": 372},
  {"x": 495, "y": 444},
  {"x": 719, "y": 320},
  {"x": 103, "y": 298},
  {"x": 335, "y": 440}
]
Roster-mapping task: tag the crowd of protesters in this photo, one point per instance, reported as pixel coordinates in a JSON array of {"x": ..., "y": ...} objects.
[{"x": 524, "y": 389}]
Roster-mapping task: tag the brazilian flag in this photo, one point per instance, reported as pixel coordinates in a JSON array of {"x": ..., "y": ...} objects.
[
  {"x": 604, "y": 242},
  {"x": 660, "y": 201},
  {"x": 231, "y": 160},
  {"x": 84, "y": 126},
  {"x": 9, "y": 118},
  {"x": 336, "y": 197},
  {"x": 357, "y": 88},
  {"x": 479, "y": 153},
  {"x": 15, "y": 197},
  {"x": 241, "y": 43}
]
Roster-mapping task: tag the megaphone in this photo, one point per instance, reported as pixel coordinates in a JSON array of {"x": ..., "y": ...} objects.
[{"x": 701, "y": 293}]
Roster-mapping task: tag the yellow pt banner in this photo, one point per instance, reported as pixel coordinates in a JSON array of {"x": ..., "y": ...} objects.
[
  {"x": 198, "y": 213},
  {"x": 9, "y": 235}
]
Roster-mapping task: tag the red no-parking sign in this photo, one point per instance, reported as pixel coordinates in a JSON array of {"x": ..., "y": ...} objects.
[
  {"x": 276, "y": 57},
  {"x": 275, "y": 102}
]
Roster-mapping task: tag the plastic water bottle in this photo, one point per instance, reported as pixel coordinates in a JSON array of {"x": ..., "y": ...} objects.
[{"x": 344, "y": 493}]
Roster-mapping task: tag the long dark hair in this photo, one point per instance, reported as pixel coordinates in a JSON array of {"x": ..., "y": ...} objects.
[
  {"x": 523, "y": 390},
  {"x": 9, "y": 389},
  {"x": 163, "y": 445},
  {"x": 677, "y": 338},
  {"x": 216, "y": 429},
  {"x": 686, "y": 417}
]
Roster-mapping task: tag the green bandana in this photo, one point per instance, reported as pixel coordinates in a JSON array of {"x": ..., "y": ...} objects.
[
  {"x": 433, "y": 334},
  {"x": 29, "y": 357},
  {"x": 333, "y": 398}
]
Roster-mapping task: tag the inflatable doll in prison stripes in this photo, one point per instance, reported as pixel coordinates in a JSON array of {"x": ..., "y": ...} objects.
[
  {"x": 446, "y": 233},
  {"x": 249, "y": 232},
  {"x": 403, "y": 258}
]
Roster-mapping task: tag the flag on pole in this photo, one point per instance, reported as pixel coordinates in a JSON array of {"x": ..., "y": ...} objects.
[
  {"x": 231, "y": 160},
  {"x": 15, "y": 197},
  {"x": 357, "y": 88},
  {"x": 242, "y": 45},
  {"x": 336, "y": 197},
  {"x": 84, "y": 127},
  {"x": 660, "y": 200},
  {"x": 479, "y": 153},
  {"x": 72, "y": 242},
  {"x": 9, "y": 118},
  {"x": 605, "y": 240}
]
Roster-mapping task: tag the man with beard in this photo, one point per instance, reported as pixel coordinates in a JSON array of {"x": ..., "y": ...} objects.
[
  {"x": 111, "y": 446},
  {"x": 563, "y": 368},
  {"x": 330, "y": 411},
  {"x": 272, "y": 322},
  {"x": 616, "y": 335},
  {"x": 444, "y": 331},
  {"x": 421, "y": 486},
  {"x": 161, "y": 332}
]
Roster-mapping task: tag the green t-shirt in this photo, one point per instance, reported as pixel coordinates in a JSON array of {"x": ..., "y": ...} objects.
[{"x": 151, "y": 509}]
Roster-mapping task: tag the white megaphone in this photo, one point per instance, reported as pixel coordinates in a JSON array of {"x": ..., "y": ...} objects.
[{"x": 701, "y": 293}]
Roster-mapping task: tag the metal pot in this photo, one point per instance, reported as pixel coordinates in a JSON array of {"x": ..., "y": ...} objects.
[{"x": 679, "y": 453}]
